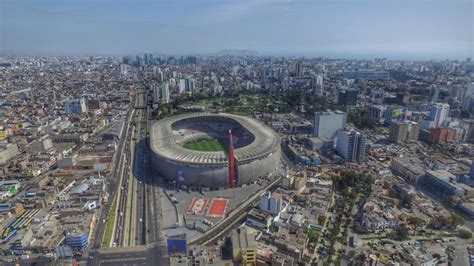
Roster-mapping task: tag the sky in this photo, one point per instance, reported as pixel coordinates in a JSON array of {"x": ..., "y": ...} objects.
[{"x": 399, "y": 29}]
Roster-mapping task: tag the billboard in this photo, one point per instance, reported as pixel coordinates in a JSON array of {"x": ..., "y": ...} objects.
[{"x": 176, "y": 246}]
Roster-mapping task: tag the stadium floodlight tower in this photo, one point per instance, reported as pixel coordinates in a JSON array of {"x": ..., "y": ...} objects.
[{"x": 231, "y": 160}]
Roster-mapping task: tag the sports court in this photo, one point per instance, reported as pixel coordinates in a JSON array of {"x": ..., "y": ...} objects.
[
  {"x": 197, "y": 206},
  {"x": 218, "y": 207}
]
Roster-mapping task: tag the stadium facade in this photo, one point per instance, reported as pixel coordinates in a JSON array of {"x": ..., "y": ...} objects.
[{"x": 256, "y": 149}]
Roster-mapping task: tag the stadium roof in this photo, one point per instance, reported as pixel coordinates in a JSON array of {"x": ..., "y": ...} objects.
[{"x": 164, "y": 144}]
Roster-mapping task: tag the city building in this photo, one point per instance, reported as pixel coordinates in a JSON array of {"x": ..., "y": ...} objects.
[
  {"x": 409, "y": 168},
  {"x": 377, "y": 113},
  {"x": 347, "y": 97},
  {"x": 441, "y": 135},
  {"x": 366, "y": 75},
  {"x": 351, "y": 144},
  {"x": 165, "y": 93},
  {"x": 270, "y": 203},
  {"x": 156, "y": 94},
  {"x": 326, "y": 124},
  {"x": 244, "y": 247},
  {"x": 438, "y": 116},
  {"x": 394, "y": 113},
  {"x": 76, "y": 106},
  {"x": 299, "y": 69},
  {"x": 8, "y": 151},
  {"x": 317, "y": 83},
  {"x": 443, "y": 185},
  {"x": 404, "y": 131}
]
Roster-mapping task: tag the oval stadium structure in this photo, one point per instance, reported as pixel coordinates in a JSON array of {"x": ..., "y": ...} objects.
[{"x": 192, "y": 149}]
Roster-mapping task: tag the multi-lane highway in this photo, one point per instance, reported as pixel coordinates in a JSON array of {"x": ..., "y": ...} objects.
[{"x": 138, "y": 220}]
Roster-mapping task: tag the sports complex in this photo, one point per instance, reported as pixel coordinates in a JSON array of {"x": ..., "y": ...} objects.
[{"x": 193, "y": 149}]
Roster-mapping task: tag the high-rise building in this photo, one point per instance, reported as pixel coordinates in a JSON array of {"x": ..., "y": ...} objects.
[
  {"x": 156, "y": 94},
  {"x": 326, "y": 124},
  {"x": 158, "y": 73},
  {"x": 181, "y": 86},
  {"x": 317, "y": 83},
  {"x": 189, "y": 85},
  {"x": 124, "y": 69},
  {"x": 394, "y": 113},
  {"x": 270, "y": 204},
  {"x": 165, "y": 93},
  {"x": 440, "y": 135},
  {"x": 439, "y": 113},
  {"x": 347, "y": 97},
  {"x": 299, "y": 69},
  {"x": 76, "y": 106},
  {"x": 404, "y": 131},
  {"x": 351, "y": 144},
  {"x": 438, "y": 116}
]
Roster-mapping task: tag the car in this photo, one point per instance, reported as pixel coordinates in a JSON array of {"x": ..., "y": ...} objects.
[
  {"x": 141, "y": 220},
  {"x": 114, "y": 244}
]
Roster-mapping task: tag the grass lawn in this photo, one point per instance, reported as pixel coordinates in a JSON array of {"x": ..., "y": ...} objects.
[
  {"x": 204, "y": 145},
  {"x": 110, "y": 224}
]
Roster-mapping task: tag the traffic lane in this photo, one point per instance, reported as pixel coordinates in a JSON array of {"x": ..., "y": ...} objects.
[{"x": 122, "y": 258}]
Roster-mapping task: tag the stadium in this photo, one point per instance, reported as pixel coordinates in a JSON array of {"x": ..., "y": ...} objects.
[{"x": 194, "y": 149}]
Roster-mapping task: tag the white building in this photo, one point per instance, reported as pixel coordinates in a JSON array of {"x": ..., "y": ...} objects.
[
  {"x": 326, "y": 124},
  {"x": 438, "y": 116},
  {"x": 270, "y": 204},
  {"x": 351, "y": 144},
  {"x": 165, "y": 93}
]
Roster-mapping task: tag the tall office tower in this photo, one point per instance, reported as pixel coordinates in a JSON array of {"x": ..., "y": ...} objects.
[
  {"x": 263, "y": 74},
  {"x": 317, "y": 84},
  {"x": 351, "y": 144},
  {"x": 165, "y": 93},
  {"x": 398, "y": 132},
  {"x": 404, "y": 131},
  {"x": 270, "y": 204},
  {"x": 299, "y": 69},
  {"x": 438, "y": 114},
  {"x": 156, "y": 94},
  {"x": 76, "y": 106},
  {"x": 158, "y": 74},
  {"x": 190, "y": 86},
  {"x": 347, "y": 97},
  {"x": 181, "y": 86},
  {"x": 326, "y": 124}
]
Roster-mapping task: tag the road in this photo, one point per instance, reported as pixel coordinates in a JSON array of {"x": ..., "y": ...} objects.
[
  {"x": 146, "y": 255},
  {"x": 112, "y": 182},
  {"x": 144, "y": 211}
]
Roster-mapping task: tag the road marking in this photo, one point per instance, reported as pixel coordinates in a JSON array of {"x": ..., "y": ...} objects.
[{"x": 122, "y": 260}]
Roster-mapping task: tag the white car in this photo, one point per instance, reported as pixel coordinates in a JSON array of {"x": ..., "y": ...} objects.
[{"x": 141, "y": 220}]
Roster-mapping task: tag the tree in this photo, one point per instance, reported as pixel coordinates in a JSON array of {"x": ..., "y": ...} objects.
[
  {"x": 456, "y": 219},
  {"x": 464, "y": 234},
  {"x": 400, "y": 233},
  {"x": 415, "y": 222}
]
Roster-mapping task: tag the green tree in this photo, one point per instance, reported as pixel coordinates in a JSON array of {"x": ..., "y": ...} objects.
[
  {"x": 464, "y": 234},
  {"x": 415, "y": 222},
  {"x": 457, "y": 219}
]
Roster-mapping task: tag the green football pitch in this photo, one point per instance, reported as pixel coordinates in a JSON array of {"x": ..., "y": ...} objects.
[{"x": 204, "y": 145}]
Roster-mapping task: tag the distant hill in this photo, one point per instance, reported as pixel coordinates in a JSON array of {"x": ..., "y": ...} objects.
[{"x": 237, "y": 52}]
